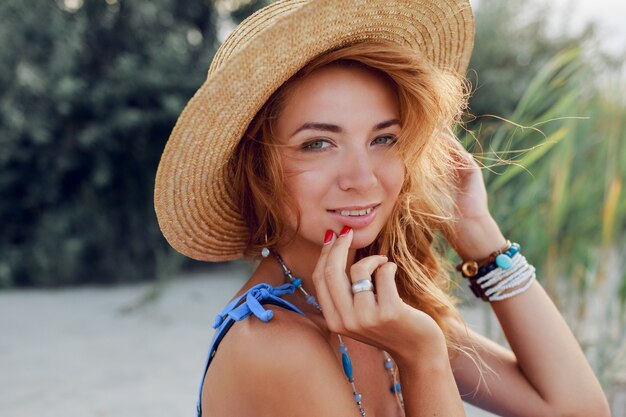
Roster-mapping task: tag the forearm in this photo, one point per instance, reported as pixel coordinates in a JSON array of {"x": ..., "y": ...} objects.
[
  {"x": 428, "y": 385},
  {"x": 546, "y": 351},
  {"x": 548, "y": 354}
]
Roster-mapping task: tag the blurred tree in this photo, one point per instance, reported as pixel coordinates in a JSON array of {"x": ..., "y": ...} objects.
[
  {"x": 90, "y": 92},
  {"x": 514, "y": 40}
]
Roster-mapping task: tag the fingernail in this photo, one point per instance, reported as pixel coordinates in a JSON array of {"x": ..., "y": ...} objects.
[
  {"x": 328, "y": 236},
  {"x": 345, "y": 231},
  {"x": 383, "y": 255}
]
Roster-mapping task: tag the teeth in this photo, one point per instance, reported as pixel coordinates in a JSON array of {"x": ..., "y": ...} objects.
[{"x": 355, "y": 212}]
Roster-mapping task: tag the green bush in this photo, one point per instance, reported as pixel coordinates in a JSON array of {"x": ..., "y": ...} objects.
[
  {"x": 514, "y": 40},
  {"x": 89, "y": 97}
]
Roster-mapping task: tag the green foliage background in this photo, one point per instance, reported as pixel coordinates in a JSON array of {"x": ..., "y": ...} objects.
[
  {"x": 555, "y": 170},
  {"x": 88, "y": 98}
]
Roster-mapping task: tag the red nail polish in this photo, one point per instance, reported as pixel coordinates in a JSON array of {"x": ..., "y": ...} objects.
[
  {"x": 328, "y": 236},
  {"x": 345, "y": 231}
]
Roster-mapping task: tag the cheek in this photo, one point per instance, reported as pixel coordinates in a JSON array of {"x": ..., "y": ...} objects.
[
  {"x": 305, "y": 188},
  {"x": 307, "y": 179},
  {"x": 392, "y": 177}
]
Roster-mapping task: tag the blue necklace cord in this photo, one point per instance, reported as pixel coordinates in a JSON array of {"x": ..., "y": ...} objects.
[{"x": 346, "y": 362}]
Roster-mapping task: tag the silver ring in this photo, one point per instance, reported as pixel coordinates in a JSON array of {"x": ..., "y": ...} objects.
[{"x": 362, "y": 285}]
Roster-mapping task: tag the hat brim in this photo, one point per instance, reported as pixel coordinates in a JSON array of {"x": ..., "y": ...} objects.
[{"x": 193, "y": 200}]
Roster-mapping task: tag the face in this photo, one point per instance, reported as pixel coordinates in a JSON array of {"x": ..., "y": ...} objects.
[{"x": 340, "y": 126}]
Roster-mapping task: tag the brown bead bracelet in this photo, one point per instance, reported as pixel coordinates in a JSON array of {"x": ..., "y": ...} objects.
[{"x": 470, "y": 268}]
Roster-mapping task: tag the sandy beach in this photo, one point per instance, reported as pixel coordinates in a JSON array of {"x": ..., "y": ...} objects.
[{"x": 101, "y": 352}]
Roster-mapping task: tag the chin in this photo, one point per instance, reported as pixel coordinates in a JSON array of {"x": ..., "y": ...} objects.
[{"x": 362, "y": 239}]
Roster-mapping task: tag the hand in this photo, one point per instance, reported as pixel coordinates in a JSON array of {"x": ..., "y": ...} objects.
[
  {"x": 471, "y": 195},
  {"x": 379, "y": 319},
  {"x": 475, "y": 233}
]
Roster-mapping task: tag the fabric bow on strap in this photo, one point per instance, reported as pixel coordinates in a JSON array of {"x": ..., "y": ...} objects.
[{"x": 252, "y": 303}]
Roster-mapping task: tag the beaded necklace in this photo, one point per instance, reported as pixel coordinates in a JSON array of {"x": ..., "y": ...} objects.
[{"x": 345, "y": 358}]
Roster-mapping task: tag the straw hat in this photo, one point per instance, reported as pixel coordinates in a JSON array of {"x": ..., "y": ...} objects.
[{"x": 192, "y": 197}]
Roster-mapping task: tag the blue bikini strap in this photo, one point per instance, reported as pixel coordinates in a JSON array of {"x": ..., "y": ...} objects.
[{"x": 249, "y": 303}]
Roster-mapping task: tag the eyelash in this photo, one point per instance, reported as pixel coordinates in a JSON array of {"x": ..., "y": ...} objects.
[
  {"x": 307, "y": 146},
  {"x": 393, "y": 138}
]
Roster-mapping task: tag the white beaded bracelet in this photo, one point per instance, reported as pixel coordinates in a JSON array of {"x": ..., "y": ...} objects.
[
  {"x": 514, "y": 292},
  {"x": 513, "y": 280},
  {"x": 496, "y": 284}
]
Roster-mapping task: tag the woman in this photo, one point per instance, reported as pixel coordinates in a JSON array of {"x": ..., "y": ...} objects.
[{"x": 321, "y": 144}]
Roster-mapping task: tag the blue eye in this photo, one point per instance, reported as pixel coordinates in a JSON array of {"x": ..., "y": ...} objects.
[
  {"x": 385, "y": 140},
  {"x": 316, "y": 145}
]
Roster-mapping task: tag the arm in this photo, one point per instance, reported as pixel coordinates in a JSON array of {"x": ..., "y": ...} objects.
[
  {"x": 287, "y": 368},
  {"x": 547, "y": 373},
  {"x": 411, "y": 336},
  {"x": 428, "y": 385}
]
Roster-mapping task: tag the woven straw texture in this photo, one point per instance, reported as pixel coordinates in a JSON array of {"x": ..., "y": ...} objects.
[{"x": 193, "y": 200}]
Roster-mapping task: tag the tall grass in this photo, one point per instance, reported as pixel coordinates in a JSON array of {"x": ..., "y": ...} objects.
[{"x": 555, "y": 174}]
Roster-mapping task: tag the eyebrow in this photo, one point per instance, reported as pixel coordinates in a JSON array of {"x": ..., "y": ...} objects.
[{"x": 327, "y": 127}]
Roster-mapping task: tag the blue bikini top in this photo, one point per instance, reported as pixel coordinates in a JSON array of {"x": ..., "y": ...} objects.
[{"x": 250, "y": 302}]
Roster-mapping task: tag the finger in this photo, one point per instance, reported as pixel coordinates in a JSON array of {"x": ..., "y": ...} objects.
[
  {"x": 463, "y": 157},
  {"x": 321, "y": 289},
  {"x": 329, "y": 240},
  {"x": 386, "y": 288},
  {"x": 469, "y": 162},
  {"x": 390, "y": 305},
  {"x": 338, "y": 252},
  {"x": 364, "y": 268},
  {"x": 365, "y": 302},
  {"x": 335, "y": 275}
]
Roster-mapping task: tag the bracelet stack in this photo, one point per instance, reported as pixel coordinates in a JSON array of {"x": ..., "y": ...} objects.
[{"x": 504, "y": 274}]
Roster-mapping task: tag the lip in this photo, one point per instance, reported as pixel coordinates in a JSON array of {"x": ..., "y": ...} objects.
[{"x": 353, "y": 221}]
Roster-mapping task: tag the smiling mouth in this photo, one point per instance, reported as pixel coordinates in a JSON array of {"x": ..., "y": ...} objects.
[{"x": 354, "y": 213}]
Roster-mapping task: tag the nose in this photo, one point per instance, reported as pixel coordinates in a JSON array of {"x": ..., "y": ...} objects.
[{"x": 357, "y": 171}]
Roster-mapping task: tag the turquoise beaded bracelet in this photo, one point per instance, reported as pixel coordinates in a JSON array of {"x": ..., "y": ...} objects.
[{"x": 502, "y": 260}]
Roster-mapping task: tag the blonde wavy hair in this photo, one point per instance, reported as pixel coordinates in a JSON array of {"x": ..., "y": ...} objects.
[{"x": 431, "y": 103}]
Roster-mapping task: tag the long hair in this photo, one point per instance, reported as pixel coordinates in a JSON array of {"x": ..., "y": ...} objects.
[{"x": 431, "y": 103}]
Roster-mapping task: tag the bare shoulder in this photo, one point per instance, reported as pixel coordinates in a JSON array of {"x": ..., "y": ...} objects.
[
  {"x": 287, "y": 333},
  {"x": 278, "y": 366}
]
